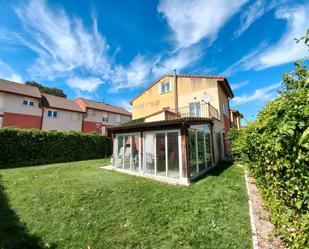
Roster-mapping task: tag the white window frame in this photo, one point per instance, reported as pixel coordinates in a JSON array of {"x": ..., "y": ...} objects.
[
  {"x": 139, "y": 150},
  {"x": 163, "y": 83},
  {"x": 27, "y": 102},
  {"x": 104, "y": 119},
  {"x": 52, "y": 112},
  {"x": 166, "y": 153}
]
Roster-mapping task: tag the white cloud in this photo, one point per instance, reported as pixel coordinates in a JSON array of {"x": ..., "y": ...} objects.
[
  {"x": 193, "y": 20},
  {"x": 62, "y": 44},
  {"x": 88, "y": 84},
  {"x": 286, "y": 50},
  {"x": 7, "y": 73},
  {"x": 236, "y": 86},
  {"x": 253, "y": 13},
  {"x": 283, "y": 51},
  {"x": 261, "y": 94}
]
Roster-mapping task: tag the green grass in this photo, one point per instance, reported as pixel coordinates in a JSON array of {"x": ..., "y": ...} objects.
[{"x": 76, "y": 205}]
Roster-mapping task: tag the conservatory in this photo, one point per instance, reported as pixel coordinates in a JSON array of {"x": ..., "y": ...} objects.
[{"x": 175, "y": 151}]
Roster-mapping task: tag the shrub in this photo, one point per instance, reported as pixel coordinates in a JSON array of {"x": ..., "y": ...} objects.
[
  {"x": 275, "y": 148},
  {"x": 21, "y": 147}
]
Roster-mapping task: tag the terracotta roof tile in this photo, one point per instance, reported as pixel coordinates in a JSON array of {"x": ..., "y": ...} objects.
[
  {"x": 60, "y": 103},
  {"x": 105, "y": 107},
  {"x": 18, "y": 88}
]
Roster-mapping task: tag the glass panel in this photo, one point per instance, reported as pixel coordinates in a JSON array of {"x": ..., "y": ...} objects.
[
  {"x": 160, "y": 143},
  {"x": 208, "y": 148},
  {"x": 149, "y": 153},
  {"x": 135, "y": 153},
  {"x": 173, "y": 154},
  {"x": 200, "y": 149},
  {"x": 192, "y": 153},
  {"x": 197, "y": 109},
  {"x": 127, "y": 152},
  {"x": 118, "y": 161}
]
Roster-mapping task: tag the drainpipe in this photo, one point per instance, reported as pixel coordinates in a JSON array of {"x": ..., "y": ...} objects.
[{"x": 176, "y": 91}]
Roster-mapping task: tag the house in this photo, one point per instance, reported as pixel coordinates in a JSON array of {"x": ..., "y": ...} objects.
[
  {"x": 99, "y": 115},
  {"x": 24, "y": 106},
  {"x": 19, "y": 105},
  {"x": 61, "y": 114},
  {"x": 181, "y": 129},
  {"x": 236, "y": 117}
]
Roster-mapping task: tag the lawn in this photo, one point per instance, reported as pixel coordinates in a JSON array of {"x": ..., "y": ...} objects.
[{"x": 77, "y": 205}]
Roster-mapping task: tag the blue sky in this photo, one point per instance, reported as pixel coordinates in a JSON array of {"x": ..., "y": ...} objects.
[{"x": 112, "y": 50}]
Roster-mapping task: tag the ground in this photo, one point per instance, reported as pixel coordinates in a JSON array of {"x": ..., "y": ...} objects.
[{"x": 79, "y": 205}]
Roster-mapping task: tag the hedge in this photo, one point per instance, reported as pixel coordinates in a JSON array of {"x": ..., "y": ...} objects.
[
  {"x": 275, "y": 148},
  {"x": 26, "y": 147}
]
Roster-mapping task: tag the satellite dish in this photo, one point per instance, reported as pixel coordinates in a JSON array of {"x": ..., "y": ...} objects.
[{"x": 207, "y": 97}]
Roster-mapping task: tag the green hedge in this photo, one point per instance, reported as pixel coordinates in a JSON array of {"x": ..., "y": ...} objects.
[
  {"x": 21, "y": 147},
  {"x": 275, "y": 148}
]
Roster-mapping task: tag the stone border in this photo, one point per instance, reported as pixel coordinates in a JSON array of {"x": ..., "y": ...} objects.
[{"x": 252, "y": 222}]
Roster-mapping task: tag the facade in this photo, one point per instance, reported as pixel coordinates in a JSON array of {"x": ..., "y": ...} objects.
[
  {"x": 186, "y": 119},
  {"x": 236, "y": 117},
  {"x": 19, "y": 105},
  {"x": 99, "y": 116},
  {"x": 25, "y": 107},
  {"x": 61, "y": 114}
]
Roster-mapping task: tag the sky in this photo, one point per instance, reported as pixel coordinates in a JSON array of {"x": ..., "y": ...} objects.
[{"x": 112, "y": 50}]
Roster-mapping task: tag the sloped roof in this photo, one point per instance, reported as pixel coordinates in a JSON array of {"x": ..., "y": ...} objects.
[
  {"x": 161, "y": 124},
  {"x": 60, "y": 103},
  {"x": 222, "y": 79},
  {"x": 18, "y": 88},
  {"x": 105, "y": 107}
]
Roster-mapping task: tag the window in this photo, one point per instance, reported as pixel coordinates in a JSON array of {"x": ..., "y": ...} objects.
[
  {"x": 105, "y": 119},
  {"x": 52, "y": 114},
  {"x": 195, "y": 109},
  {"x": 224, "y": 110},
  {"x": 165, "y": 87},
  {"x": 28, "y": 103}
]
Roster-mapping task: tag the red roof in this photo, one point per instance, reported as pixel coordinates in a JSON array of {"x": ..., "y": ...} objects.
[
  {"x": 18, "y": 88},
  {"x": 105, "y": 107},
  {"x": 60, "y": 103}
]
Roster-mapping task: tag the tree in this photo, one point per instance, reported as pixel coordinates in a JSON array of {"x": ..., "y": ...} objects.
[{"x": 49, "y": 90}]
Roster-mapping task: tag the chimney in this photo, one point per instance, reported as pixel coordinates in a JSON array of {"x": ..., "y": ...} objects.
[{"x": 175, "y": 91}]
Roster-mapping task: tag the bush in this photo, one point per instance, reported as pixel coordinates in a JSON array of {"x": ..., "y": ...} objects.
[
  {"x": 21, "y": 147},
  {"x": 276, "y": 150}
]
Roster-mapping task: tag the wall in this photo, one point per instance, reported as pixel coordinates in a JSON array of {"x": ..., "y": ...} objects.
[
  {"x": 152, "y": 101},
  {"x": 190, "y": 88},
  {"x": 157, "y": 117},
  {"x": 14, "y": 104},
  {"x": 96, "y": 116},
  {"x": 21, "y": 120},
  {"x": 66, "y": 121}
]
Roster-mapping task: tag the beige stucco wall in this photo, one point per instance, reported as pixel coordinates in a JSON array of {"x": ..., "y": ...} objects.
[
  {"x": 152, "y": 101},
  {"x": 66, "y": 121},
  {"x": 189, "y": 90},
  {"x": 97, "y": 115},
  {"x": 157, "y": 117},
  {"x": 14, "y": 104}
]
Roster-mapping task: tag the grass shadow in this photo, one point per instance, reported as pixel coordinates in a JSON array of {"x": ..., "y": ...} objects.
[
  {"x": 216, "y": 171},
  {"x": 14, "y": 234}
]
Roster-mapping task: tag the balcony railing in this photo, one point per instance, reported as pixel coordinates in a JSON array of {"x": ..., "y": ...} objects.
[{"x": 197, "y": 110}]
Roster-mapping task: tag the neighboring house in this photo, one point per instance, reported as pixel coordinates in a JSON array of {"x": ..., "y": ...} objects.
[
  {"x": 186, "y": 121},
  {"x": 61, "y": 114},
  {"x": 99, "y": 116},
  {"x": 19, "y": 105},
  {"x": 24, "y": 106},
  {"x": 236, "y": 117}
]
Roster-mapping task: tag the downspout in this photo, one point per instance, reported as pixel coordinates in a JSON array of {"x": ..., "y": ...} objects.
[{"x": 176, "y": 91}]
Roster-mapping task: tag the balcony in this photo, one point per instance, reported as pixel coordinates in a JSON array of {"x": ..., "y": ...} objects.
[{"x": 203, "y": 110}]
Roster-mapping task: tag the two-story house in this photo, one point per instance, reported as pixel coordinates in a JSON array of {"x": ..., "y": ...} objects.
[
  {"x": 182, "y": 128},
  {"x": 24, "y": 106},
  {"x": 19, "y": 105},
  {"x": 99, "y": 115},
  {"x": 236, "y": 117},
  {"x": 61, "y": 114}
]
